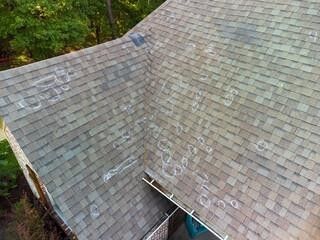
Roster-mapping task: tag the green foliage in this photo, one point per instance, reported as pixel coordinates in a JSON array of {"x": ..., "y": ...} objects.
[
  {"x": 27, "y": 224},
  {"x": 9, "y": 169},
  {"x": 95, "y": 13},
  {"x": 38, "y": 29},
  {"x": 129, "y": 12},
  {"x": 42, "y": 28}
]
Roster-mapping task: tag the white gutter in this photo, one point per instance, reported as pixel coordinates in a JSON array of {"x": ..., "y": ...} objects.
[{"x": 185, "y": 210}]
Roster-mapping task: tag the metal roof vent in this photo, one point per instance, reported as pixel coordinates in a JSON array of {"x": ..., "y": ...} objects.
[{"x": 137, "y": 39}]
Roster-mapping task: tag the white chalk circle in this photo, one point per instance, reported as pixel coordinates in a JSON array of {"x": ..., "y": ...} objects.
[
  {"x": 140, "y": 122},
  {"x": 209, "y": 149},
  {"x": 221, "y": 204},
  {"x": 195, "y": 106},
  {"x": 30, "y": 103},
  {"x": 261, "y": 145},
  {"x": 199, "y": 94},
  {"x": 228, "y": 99},
  {"x": 62, "y": 79},
  {"x": 156, "y": 132},
  {"x": 168, "y": 170},
  {"x": 192, "y": 150},
  {"x": 94, "y": 211},
  {"x": 179, "y": 129},
  {"x": 164, "y": 144},
  {"x": 205, "y": 201},
  {"x": 155, "y": 129},
  {"x": 234, "y": 92},
  {"x": 178, "y": 170},
  {"x": 126, "y": 135},
  {"x": 200, "y": 140},
  {"x": 52, "y": 95},
  {"x": 62, "y": 75},
  {"x": 166, "y": 157},
  {"x": 184, "y": 162},
  {"x": 234, "y": 203},
  {"x": 129, "y": 109},
  {"x": 210, "y": 49},
  {"x": 204, "y": 77},
  {"x": 65, "y": 87}
]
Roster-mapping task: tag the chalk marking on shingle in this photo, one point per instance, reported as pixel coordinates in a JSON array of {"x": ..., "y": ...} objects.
[
  {"x": 221, "y": 204},
  {"x": 130, "y": 161},
  {"x": 94, "y": 211},
  {"x": 261, "y": 145},
  {"x": 234, "y": 203}
]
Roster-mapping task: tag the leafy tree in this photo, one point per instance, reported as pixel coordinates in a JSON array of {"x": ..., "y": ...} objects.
[
  {"x": 9, "y": 169},
  {"x": 109, "y": 19},
  {"x": 95, "y": 13},
  {"x": 42, "y": 28},
  {"x": 39, "y": 29},
  {"x": 128, "y": 13}
]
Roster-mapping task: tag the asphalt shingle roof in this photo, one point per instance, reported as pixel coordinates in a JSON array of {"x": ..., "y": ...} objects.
[
  {"x": 79, "y": 119},
  {"x": 235, "y": 99},
  {"x": 221, "y": 100}
]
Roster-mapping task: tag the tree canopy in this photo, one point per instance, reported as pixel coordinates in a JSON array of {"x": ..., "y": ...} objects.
[{"x": 32, "y": 30}]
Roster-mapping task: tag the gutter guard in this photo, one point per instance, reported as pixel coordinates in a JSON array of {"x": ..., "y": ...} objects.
[{"x": 168, "y": 216}]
